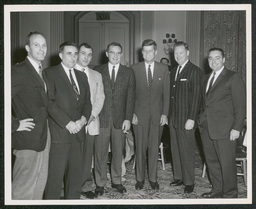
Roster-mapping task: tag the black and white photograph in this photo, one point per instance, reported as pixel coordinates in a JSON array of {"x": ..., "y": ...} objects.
[{"x": 128, "y": 104}]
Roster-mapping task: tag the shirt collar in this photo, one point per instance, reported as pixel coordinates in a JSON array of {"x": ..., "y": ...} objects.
[
  {"x": 34, "y": 63},
  {"x": 79, "y": 67},
  {"x": 182, "y": 66},
  {"x": 218, "y": 72},
  {"x": 152, "y": 65},
  {"x": 110, "y": 66}
]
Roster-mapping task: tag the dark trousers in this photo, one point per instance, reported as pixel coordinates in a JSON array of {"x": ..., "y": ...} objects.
[
  {"x": 65, "y": 161},
  {"x": 183, "y": 154},
  {"x": 147, "y": 138},
  {"x": 87, "y": 163},
  {"x": 221, "y": 164},
  {"x": 114, "y": 137}
]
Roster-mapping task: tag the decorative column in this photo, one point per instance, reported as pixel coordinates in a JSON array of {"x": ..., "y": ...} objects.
[
  {"x": 56, "y": 34},
  {"x": 193, "y": 35}
]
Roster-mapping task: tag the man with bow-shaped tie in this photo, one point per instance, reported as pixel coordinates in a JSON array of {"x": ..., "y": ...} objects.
[
  {"x": 220, "y": 123},
  {"x": 69, "y": 109},
  {"x": 184, "y": 110}
]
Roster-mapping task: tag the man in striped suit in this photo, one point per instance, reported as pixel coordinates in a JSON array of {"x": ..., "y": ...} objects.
[{"x": 184, "y": 108}]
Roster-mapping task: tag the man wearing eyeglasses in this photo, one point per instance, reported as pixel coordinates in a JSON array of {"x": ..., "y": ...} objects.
[{"x": 115, "y": 117}]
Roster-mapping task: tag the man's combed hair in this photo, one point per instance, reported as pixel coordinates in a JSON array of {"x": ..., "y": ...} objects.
[
  {"x": 32, "y": 34},
  {"x": 88, "y": 46},
  {"x": 66, "y": 43},
  {"x": 114, "y": 44},
  {"x": 181, "y": 43},
  {"x": 217, "y": 49},
  {"x": 149, "y": 42}
]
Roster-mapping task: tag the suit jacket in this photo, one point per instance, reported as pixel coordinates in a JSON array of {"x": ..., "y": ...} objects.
[
  {"x": 224, "y": 107},
  {"x": 157, "y": 103},
  {"x": 97, "y": 100},
  {"x": 63, "y": 106},
  {"x": 119, "y": 102},
  {"x": 29, "y": 100},
  {"x": 185, "y": 95}
]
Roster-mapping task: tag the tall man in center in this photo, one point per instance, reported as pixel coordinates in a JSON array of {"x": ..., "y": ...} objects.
[
  {"x": 115, "y": 117},
  {"x": 150, "y": 113}
]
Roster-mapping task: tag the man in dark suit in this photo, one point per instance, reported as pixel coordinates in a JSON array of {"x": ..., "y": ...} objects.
[
  {"x": 69, "y": 109},
  {"x": 184, "y": 110},
  {"x": 30, "y": 134},
  {"x": 220, "y": 123},
  {"x": 115, "y": 117},
  {"x": 150, "y": 113}
]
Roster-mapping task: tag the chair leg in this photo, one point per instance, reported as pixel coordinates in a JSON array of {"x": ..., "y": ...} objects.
[
  {"x": 244, "y": 171},
  {"x": 204, "y": 170},
  {"x": 162, "y": 155}
]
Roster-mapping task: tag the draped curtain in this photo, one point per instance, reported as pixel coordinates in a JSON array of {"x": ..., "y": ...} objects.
[{"x": 227, "y": 30}]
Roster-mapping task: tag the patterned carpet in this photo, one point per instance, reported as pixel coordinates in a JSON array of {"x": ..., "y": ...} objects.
[{"x": 166, "y": 191}]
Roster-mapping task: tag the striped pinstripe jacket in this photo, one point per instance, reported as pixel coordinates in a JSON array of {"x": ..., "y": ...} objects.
[{"x": 185, "y": 95}]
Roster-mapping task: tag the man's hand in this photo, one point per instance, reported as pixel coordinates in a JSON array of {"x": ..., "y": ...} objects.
[
  {"x": 126, "y": 126},
  {"x": 189, "y": 124},
  {"x": 163, "y": 120},
  {"x": 26, "y": 125},
  {"x": 234, "y": 134},
  {"x": 135, "y": 120},
  {"x": 72, "y": 127},
  {"x": 92, "y": 118},
  {"x": 80, "y": 123}
]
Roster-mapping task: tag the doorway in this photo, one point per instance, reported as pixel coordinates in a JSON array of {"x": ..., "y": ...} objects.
[{"x": 99, "y": 33}]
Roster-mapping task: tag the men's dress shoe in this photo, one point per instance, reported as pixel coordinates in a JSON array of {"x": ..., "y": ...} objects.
[
  {"x": 99, "y": 190},
  {"x": 189, "y": 188},
  {"x": 89, "y": 194},
  {"x": 154, "y": 185},
  {"x": 212, "y": 195},
  {"x": 119, "y": 187},
  {"x": 139, "y": 185},
  {"x": 176, "y": 182}
]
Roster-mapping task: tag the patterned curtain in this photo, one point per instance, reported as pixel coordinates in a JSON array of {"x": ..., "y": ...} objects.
[{"x": 227, "y": 30}]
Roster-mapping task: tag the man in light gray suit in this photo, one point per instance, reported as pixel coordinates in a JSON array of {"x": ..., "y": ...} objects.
[
  {"x": 150, "y": 112},
  {"x": 93, "y": 126}
]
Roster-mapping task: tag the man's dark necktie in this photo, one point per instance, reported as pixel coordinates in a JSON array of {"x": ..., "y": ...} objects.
[
  {"x": 178, "y": 72},
  {"x": 211, "y": 83},
  {"x": 74, "y": 85},
  {"x": 113, "y": 75},
  {"x": 150, "y": 78},
  {"x": 41, "y": 75}
]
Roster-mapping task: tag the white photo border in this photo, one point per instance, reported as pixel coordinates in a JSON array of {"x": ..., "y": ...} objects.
[{"x": 8, "y": 9}]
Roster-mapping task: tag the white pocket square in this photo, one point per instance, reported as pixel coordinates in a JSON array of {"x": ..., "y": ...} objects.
[{"x": 183, "y": 79}]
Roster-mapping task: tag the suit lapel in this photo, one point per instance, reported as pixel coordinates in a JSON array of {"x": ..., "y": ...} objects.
[
  {"x": 156, "y": 74},
  {"x": 186, "y": 67},
  {"x": 218, "y": 80},
  {"x": 65, "y": 78},
  {"x": 34, "y": 73}
]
